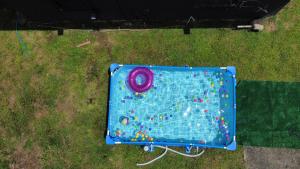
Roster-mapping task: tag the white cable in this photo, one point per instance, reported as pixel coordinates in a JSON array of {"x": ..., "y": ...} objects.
[
  {"x": 174, "y": 151},
  {"x": 157, "y": 158}
]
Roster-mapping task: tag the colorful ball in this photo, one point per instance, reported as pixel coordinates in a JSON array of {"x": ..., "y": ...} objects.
[
  {"x": 124, "y": 120},
  {"x": 118, "y": 133}
]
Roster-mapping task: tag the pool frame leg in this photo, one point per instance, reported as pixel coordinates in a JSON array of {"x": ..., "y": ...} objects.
[
  {"x": 148, "y": 148},
  {"x": 188, "y": 149}
]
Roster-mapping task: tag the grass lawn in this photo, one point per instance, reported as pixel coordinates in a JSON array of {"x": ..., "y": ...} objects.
[{"x": 53, "y": 95}]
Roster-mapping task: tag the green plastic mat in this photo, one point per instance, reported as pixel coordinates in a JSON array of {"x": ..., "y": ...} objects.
[{"x": 268, "y": 114}]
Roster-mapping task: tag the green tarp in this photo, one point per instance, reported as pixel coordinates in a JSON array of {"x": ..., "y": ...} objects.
[{"x": 268, "y": 114}]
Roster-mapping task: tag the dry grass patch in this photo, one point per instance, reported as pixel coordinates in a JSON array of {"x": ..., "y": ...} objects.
[
  {"x": 23, "y": 158},
  {"x": 66, "y": 105}
]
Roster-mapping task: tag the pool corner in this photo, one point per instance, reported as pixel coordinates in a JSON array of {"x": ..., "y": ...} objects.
[
  {"x": 108, "y": 140},
  {"x": 231, "y": 69},
  {"x": 113, "y": 67},
  {"x": 232, "y": 146}
]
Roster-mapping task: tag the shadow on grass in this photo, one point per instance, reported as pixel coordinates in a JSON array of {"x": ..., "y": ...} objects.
[{"x": 268, "y": 114}]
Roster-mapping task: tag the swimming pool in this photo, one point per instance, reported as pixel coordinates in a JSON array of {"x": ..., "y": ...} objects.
[{"x": 185, "y": 106}]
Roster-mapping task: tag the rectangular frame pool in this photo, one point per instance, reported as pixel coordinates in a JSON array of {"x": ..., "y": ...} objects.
[{"x": 215, "y": 107}]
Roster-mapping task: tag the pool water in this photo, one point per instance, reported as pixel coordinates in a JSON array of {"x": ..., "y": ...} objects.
[{"x": 184, "y": 105}]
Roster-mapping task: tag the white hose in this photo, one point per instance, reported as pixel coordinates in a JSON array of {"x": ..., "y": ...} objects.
[
  {"x": 183, "y": 154},
  {"x": 174, "y": 151},
  {"x": 157, "y": 158}
]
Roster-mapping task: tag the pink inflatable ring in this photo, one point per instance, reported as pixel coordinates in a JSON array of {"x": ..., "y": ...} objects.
[{"x": 147, "y": 76}]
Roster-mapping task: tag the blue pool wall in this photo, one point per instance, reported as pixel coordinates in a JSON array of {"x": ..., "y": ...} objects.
[{"x": 232, "y": 146}]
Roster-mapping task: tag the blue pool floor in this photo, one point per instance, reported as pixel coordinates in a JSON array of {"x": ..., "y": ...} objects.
[{"x": 193, "y": 106}]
